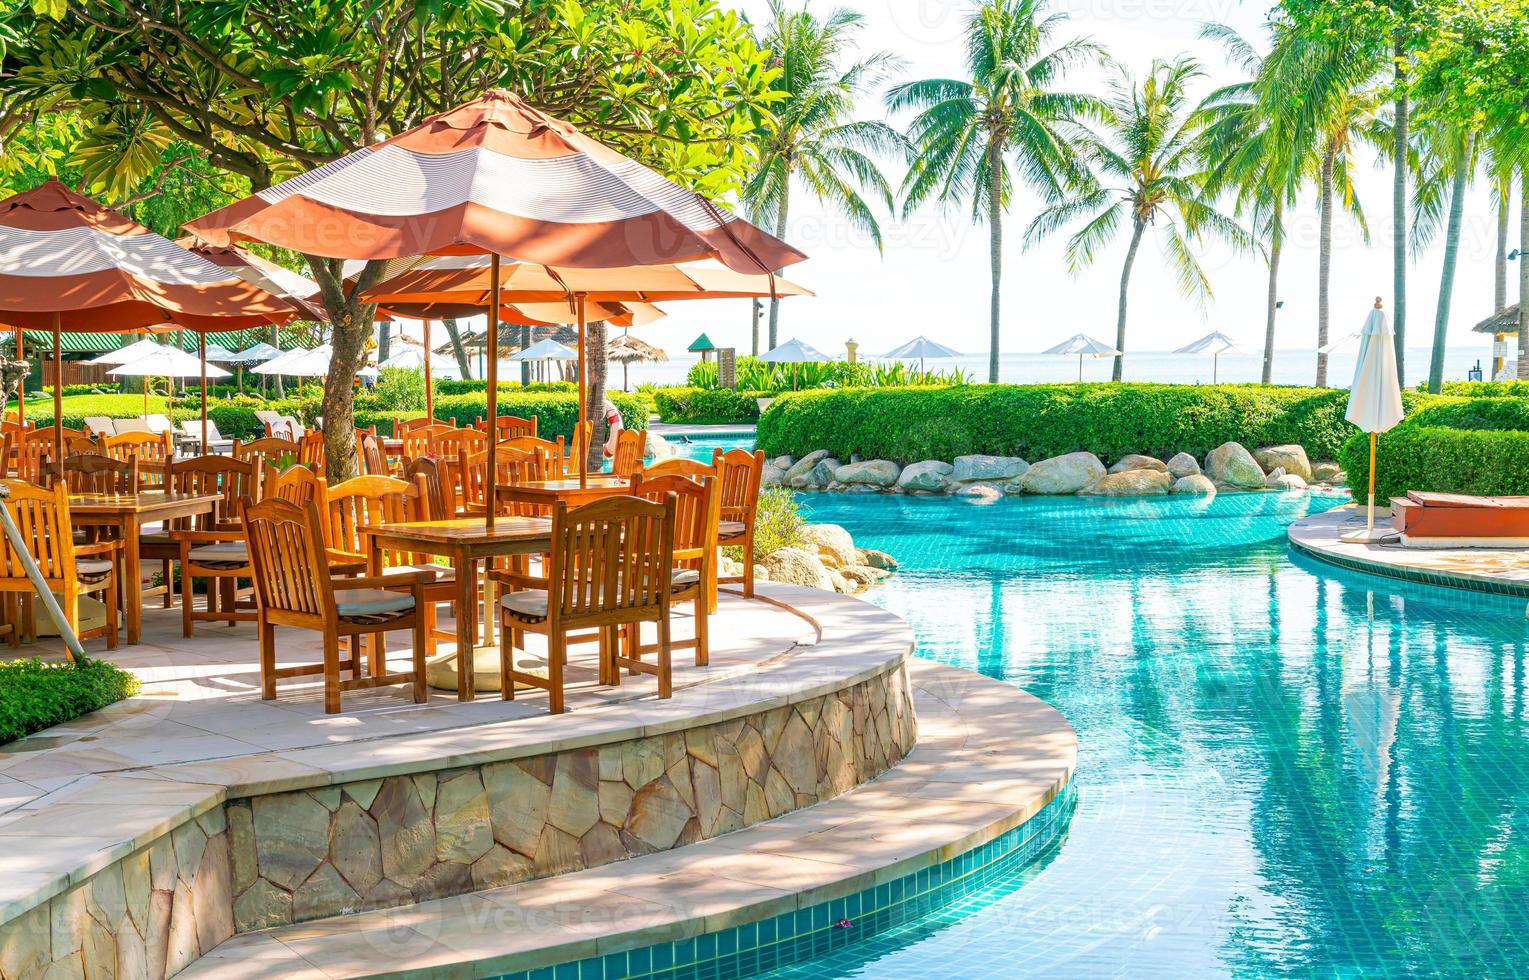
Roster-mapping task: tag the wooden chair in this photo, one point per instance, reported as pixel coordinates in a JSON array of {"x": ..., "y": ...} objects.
[
  {"x": 510, "y": 426},
  {"x": 547, "y": 456},
  {"x": 402, "y": 425},
  {"x": 740, "y": 472},
  {"x": 152, "y": 450},
  {"x": 370, "y": 459},
  {"x": 213, "y": 548},
  {"x": 417, "y": 441},
  {"x": 293, "y": 588},
  {"x": 310, "y": 450},
  {"x": 95, "y": 473},
  {"x": 440, "y": 493},
  {"x": 631, "y": 450},
  {"x": 39, "y": 445},
  {"x": 70, "y": 570},
  {"x": 610, "y": 570},
  {"x": 515, "y": 466},
  {"x": 695, "y": 553},
  {"x": 571, "y": 447},
  {"x": 296, "y": 485},
  {"x": 684, "y": 466},
  {"x": 457, "y": 442},
  {"x": 266, "y": 449}
]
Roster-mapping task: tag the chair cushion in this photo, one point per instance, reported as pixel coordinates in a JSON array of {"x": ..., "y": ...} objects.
[
  {"x": 682, "y": 578},
  {"x": 221, "y": 556},
  {"x": 731, "y": 529},
  {"x": 92, "y": 568},
  {"x": 529, "y": 606},
  {"x": 371, "y": 605},
  {"x": 444, "y": 574}
]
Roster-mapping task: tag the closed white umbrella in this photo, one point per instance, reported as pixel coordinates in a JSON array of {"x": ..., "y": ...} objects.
[
  {"x": 1375, "y": 400},
  {"x": 1082, "y": 345},
  {"x": 922, "y": 347},
  {"x": 1215, "y": 344}
]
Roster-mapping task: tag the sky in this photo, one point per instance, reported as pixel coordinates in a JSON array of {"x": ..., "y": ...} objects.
[{"x": 933, "y": 278}]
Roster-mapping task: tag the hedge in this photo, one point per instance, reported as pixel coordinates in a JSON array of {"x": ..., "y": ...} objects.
[
  {"x": 235, "y": 419},
  {"x": 555, "y": 411},
  {"x": 1040, "y": 421},
  {"x": 1474, "y": 413},
  {"x": 1487, "y": 389},
  {"x": 1417, "y": 457},
  {"x": 35, "y": 695},
  {"x": 705, "y": 406},
  {"x": 469, "y": 387}
]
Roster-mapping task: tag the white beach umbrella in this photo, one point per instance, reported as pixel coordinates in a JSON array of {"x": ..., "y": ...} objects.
[
  {"x": 216, "y": 352},
  {"x": 311, "y": 364},
  {"x": 920, "y": 348},
  {"x": 257, "y": 354},
  {"x": 1080, "y": 346},
  {"x": 546, "y": 350},
  {"x": 277, "y": 364},
  {"x": 1375, "y": 400},
  {"x": 131, "y": 352},
  {"x": 413, "y": 359},
  {"x": 1215, "y": 344},
  {"x": 165, "y": 362},
  {"x": 795, "y": 352}
]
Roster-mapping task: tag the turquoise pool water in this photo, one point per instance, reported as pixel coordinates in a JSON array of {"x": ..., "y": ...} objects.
[
  {"x": 700, "y": 447},
  {"x": 1285, "y": 768}
]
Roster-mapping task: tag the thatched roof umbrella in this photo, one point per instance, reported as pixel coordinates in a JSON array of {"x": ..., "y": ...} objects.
[
  {"x": 1500, "y": 326},
  {"x": 627, "y": 349}
]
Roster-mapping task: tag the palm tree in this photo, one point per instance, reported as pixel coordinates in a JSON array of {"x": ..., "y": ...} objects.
[
  {"x": 1447, "y": 157},
  {"x": 1008, "y": 124},
  {"x": 815, "y": 139},
  {"x": 1148, "y": 161}
]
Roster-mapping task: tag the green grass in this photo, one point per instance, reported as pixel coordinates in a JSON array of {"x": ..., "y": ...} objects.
[{"x": 35, "y": 695}]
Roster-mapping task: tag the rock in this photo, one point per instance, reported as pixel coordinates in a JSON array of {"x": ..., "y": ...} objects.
[
  {"x": 820, "y": 475},
  {"x": 772, "y": 476},
  {"x": 1195, "y": 483},
  {"x": 929, "y": 476},
  {"x": 1131, "y": 483},
  {"x": 863, "y": 576},
  {"x": 794, "y": 566},
  {"x": 1327, "y": 473},
  {"x": 782, "y": 462},
  {"x": 1063, "y": 474},
  {"x": 1135, "y": 461},
  {"x": 829, "y": 540},
  {"x": 462, "y": 829},
  {"x": 1229, "y": 464},
  {"x": 981, "y": 491},
  {"x": 1183, "y": 465},
  {"x": 291, "y": 835},
  {"x": 970, "y": 469},
  {"x": 1288, "y": 481},
  {"x": 873, "y": 473},
  {"x": 660, "y": 448},
  {"x": 1292, "y": 459},
  {"x": 804, "y": 465},
  {"x": 1273, "y": 475},
  {"x": 876, "y": 559},
  {"x": 839, "y": 583}
]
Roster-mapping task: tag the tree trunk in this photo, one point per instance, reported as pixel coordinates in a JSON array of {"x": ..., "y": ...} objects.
[
  {"x": 1451, "y": 256},
  {"x": 524, "y": 334},
  {"x": 1325, "y": 261},
  {"x": 350, "y": 325},
  {"x": 1138, "y": 227},
  {"x": 1271, "y": 309},
  {"x": 464, "y": 363},
  {"x": 780, "y": 232},
  {"x": 594, "y": 408},
  {"x": 1523, "y": 277},
  {"x": 1399, "y": 209},
  {"x": 384, "y": 341},
  {"x": 281, "y": 391},
  {"x": 1504, "y": 222},
  {"x": 756, "y": 307},
  {"x": 995, "y": 253}
]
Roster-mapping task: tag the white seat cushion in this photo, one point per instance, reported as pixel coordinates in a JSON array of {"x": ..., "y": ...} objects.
[
  {"x": 92, "y": 568},
  {"x": 683, "y": 577},
  {"x": 530, "y": 605},
  {"x": 731, "y": 529},
  {"x": 443, "y": 573},
  {"x": 371, "y": 604},
  {"x": 223, "y": 555}
]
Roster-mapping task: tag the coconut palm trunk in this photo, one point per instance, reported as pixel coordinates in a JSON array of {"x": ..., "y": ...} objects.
[
  {"x": 780, "y": 232},
  {"x": 995, "y": 252},
  {"x": 464, "y": 363},
  {"x": 1504, "y": 222},
  {"x": 1138, "y": 227},
  {"x": 1451, "y": 258},
  {"x": 1325, "y": 262},
  {"x": 1523, "y": 276},
  {"x": 1399, "y": 208},
  {"x": 1271, "y": 303},
  {"x": 595, "y": 349}
]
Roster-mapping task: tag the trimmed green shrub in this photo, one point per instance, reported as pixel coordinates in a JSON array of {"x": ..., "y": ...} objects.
[
  {"x": 1474, "y": 413},
  {"x": 706, "y": 406},
  {"x": 753, "y": 374},
  {"x": 1039, "y": 421},
  {"x": 1487, "y": 389},
  {"x": 235, "y": 417},
  {"x": 555, "y": 411},
  {"x": 35, "y": 695},
  {"x": 468, "y": 387},
  {"x": 1417, "y": 457}
]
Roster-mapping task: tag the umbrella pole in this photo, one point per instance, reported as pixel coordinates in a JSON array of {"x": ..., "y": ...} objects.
[
  {"x": 429, "y": 395},
  {"x": 58, "y": 396},
  {"x": 201, "y": 353},
  {"x": 1369, "y": 524},
  {"x": 1080, "y": 369},
  {"x": 1215, "y": 368},
  {"x": 21, "y": 389},
  {"x": 491, "y": 478},
  {"x": 578, "y": 428}
]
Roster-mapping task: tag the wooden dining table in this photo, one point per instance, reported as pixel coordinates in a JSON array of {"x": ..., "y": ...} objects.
[
  {"x": 130, "y": 512},
  {"x": 568, "y": 490},
  {"x": 465, "y": 541}
]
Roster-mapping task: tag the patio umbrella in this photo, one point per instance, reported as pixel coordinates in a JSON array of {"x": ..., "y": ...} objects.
[
  {"x": 167, "y": 362},
  {"x": 794, "y": 352},
  {"x": 67, "y": 263},
  {"x": 1215, "y": 344},
  {"x": 131, "y": 352},
  {"x": 413, "y": 359},
  {"x": 627, "y": 349},
  {"x": 497, "y": 176},
  {"x": 1082, "y": 346},
  {"x": 1375, "y": 400},
  {"x": 921, "y": 347},
  {"x": 257, "y": 354},
  {"x": 274, "y": 365}
]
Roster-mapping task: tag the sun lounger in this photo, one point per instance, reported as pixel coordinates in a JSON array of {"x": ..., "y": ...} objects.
[
  {"x": 130, "y": 425},
  {"x": 1452, "y": 520},
  {"x": 99, "y": 425},
  {"x": 159, "y": 423},
  {"x": 191, "y": 432}
]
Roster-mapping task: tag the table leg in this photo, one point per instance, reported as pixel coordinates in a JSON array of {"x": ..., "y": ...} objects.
[
  {"x": 467, "y": 599},
  {"x": 132, "y": 573},
  {"x": 376, "y": 657}
]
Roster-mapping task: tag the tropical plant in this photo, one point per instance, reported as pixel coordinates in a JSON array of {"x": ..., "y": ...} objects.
[
  {"x": 1148, "y": 160},
  {"x": 753, "y": 374},
  {"x": 1448, "y": 155},
  {"x": 815, "y": 138},
  {"x": 1007, "y": 125}
]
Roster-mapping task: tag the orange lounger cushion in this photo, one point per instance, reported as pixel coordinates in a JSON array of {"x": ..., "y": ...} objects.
[
  {"x": 1505, "y": 518},
  {"x": 1467, "y": 501}
]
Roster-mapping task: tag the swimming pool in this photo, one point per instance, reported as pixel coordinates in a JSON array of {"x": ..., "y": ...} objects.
[
  {"x": 1285, "y": 768},
  {"x": 699, "y": 447}
]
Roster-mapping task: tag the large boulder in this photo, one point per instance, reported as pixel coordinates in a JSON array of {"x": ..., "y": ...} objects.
[
  {"x": 988, "y": 469},
  {"x": 862, "y": 577},
  {"x": 831, "y": 541},
  {"x": 872, "y": 473},
  {"x": 1131, "y": 483},
  {"x": 930, "y": 476},
  {"x": 1288, "y": 481},
  {"x": 660, "y": 448},
  {"x": 876, "y": 559},
  {"x": 804, "y": 465},
  {"x": 1195, "y": 483},
  {"x": 794, "y": 566},
  {"x": 1183, "y": 465},
  {"x": 1133, "y": 461},
  {"x": 772, "y": 476},
  {"x": 1327, "y": 473},
  {"x": 1063, "y": 474},
  {"x": 784, "y": 462},
  {"x": 1292, "y": 459},
  {"x": 820, "y": 476},
  {"x": 1230, "y": 465},
  {"x": 981, "y": 491}
]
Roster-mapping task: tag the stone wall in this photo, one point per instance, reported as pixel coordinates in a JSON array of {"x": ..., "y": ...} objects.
[
  {"x": 146, "y": 916},
  {"x": 403, "y": 839}
]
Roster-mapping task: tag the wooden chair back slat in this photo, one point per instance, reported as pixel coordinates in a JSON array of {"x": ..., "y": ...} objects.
[
  {"x": 456, "y": 442},
  {"x": 435, "y": 477},
  {"x": 224, "y": 476},
  {"x": 286, "y": 546},
  {"x": 42, "y": 516},
  {"x": 370, "y": 459},
  {"x": 97, "y": 473},
  {"x": 152, "y": 451},
  {"x": 611, "y": 555},
  {"x": 740, "y": 472},
  {"x": 631, "y": 448}
]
